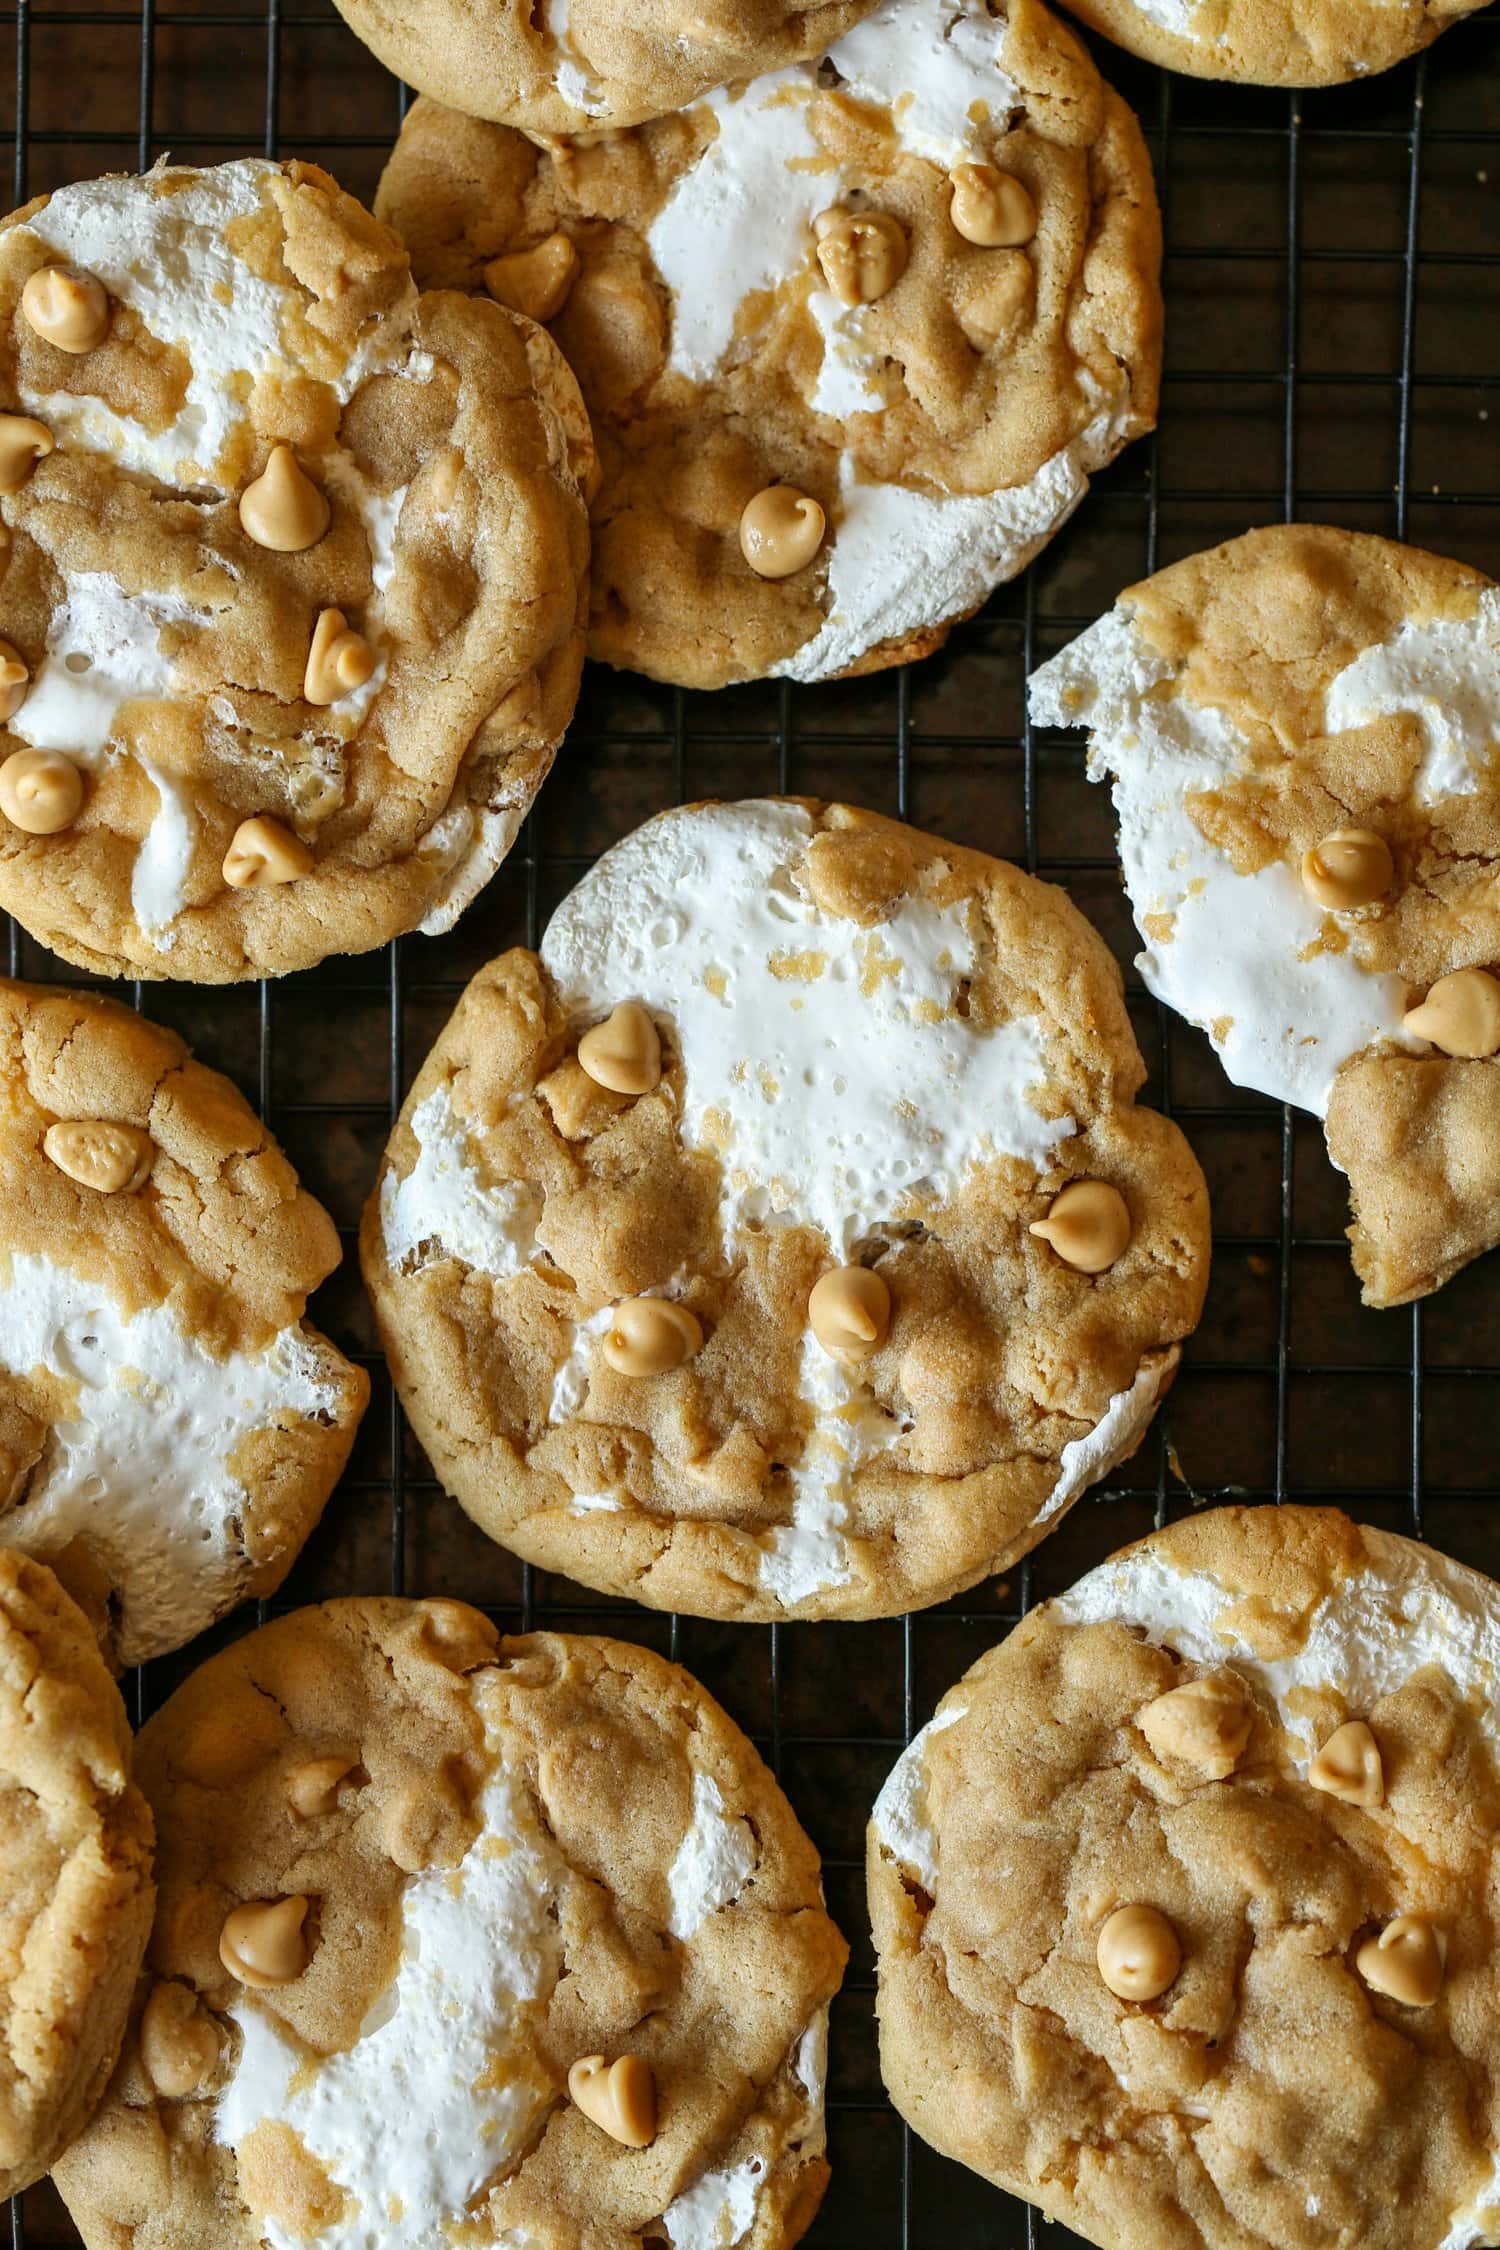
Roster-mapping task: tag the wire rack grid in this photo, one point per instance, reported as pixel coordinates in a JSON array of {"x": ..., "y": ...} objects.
[{"x": 1331, "y": 290}]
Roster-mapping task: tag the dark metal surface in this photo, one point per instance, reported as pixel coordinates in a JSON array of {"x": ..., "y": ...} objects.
[{"x": 1332, "y": 309}]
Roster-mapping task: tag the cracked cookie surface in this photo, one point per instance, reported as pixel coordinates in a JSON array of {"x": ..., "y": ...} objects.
[
  {"x": 75, "y": 1856},
  {"x": 1272, "y": 2097},
  {"x": 1251, "y": 703},
  {"x": 516, "y": 1854},
  {"x": 170, "y": 1426},
  {"x": 773, "y": 290},
  {"x": 877, "y": 1051},
  {"x": 584, "y": 66},
  {"x": 272, "y": 431},
  {"x": 1274, "y": 42}
]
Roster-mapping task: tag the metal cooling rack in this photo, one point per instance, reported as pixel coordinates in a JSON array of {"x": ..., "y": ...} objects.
[{"x": 1331, "y": 286}]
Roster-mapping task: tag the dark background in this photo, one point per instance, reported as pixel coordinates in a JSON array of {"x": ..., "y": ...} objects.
[{"x": 1331, "y": 354}]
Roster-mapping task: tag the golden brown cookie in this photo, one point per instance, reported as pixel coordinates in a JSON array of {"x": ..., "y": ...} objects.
[
  {"x": 1303, "y": 731},
  {"x": 785, "y": 1238},
  {"x": 292, "y": 562},
  {"x": 1274, "y": 42},
  {"x": 462, "y": 1938},
  {"x": 75, "y": 1866},
  {"x": 1184, "y": 1902},
  {"x": 170, "y": 1426},
  {"x": 581, "y": 66},
  {"x": 853, "y": 336}
]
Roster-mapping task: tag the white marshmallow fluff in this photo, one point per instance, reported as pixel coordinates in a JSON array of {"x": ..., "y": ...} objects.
[
  {"x": 787, "y": 1019},
  {"x": 1241, "y": 956},
  {"x": 741, "y": 221},
  {"x": 443, "y": 2091},
  {"x": 900, "y": 1817},
  {"x": 443, "y": 1208},
  {"x": 140, "y": 1466}
]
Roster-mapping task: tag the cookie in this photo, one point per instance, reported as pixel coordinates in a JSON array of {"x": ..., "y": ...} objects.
[
  {"x": 1183, "y": 1901},
  {"x": 585, "y": 66},
  {"x": 1302, "y": 728},
  {"x": 507, "y": 1941},
  {"x": 853, "y": 336},
  {"x": 785, "y": 1239},
  {"x": 75, "y": 1860},
  {"x": 1272, "y": 42},
  {"x": 170, "y": 1426},
  {"x": 293, "y": 561}
]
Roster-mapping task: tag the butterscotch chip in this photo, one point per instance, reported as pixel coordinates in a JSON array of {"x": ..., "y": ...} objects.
[
  {"x": 1087, "y": 1224},
  {"x": 650, "y": 1336},
  {"x": 77, "y": 1861},
  {"x": 41, "y": 791},
  {"x": 339, "y": 660},
  {"x": 179, "y": 2041},
  {"x": 1405, "y": 1962},
  {"x": 1204, "y": 1723},
  {"x": 263, "y": 853},
  {"x": 1351, "y": 868},
  {"x": 313, "y": 1789},
  {"x": 780, "y": 531},
  {"x": 990, "y": 207},
  {"x": 68, "y": 310},
  {"x": 23, "y": 442},
  {"x": 850, "y": 1311},
  {"x": 563, "y": 1855},
  {"x": 99, "y": 1153},
  {"x": 624, "y": 1052},
  {"x": 264, "y": 1944},
  {"x": 1349, "y": 1766},
  {"x": 618, "y": 2096},
  {"x": 535, "y": 282},
  {"x": 15, "y": 679},
  {"x": 863, "y": 254},
  {"x": 1460, "y": 1015},
  {"x": 283, "y": 509},
  {"x": 1138, "y": 1952}
]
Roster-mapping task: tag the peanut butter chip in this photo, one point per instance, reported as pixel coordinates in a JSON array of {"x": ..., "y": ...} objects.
[
  {"x": 263, "y": 1944},
  {"x": 534, "y": 282},
  {"x": 283, "y": 509},
  {"x": 1405, "y": 1962},
  {"x": 70, "y": 310},
  {"x": 261, "y": 853},
  {"x": 1461, "y": 1014},
  {"x": 112, "y": 1159},
  {"x": 624, "y": 1052},
  {"x": 178, "y": 2040},
  {"x": 850, "y": 1312},
  {"x": 862, "y": 253},
  {"x": 619, "y": 2097},
  {"x": 780, "y": 531},
  {"x": 1349, "y": 1766},
  {"x": 23, "y": 442},
  {"x": 1138, "y": 1953},
  {"x": 14, "y": 681},
  {"x": 1204, "y": 1724},
  {"x": 1087, "y": 1224},
  {"x": 991, "y": 208},
  {"x": 1351, "y": 868},
  {"x": 313, "y": 1789},
  {"x": 40, "y": 791},
  {"x": 650, "y": 1336},
  {"x": 338, "y": 662}
]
